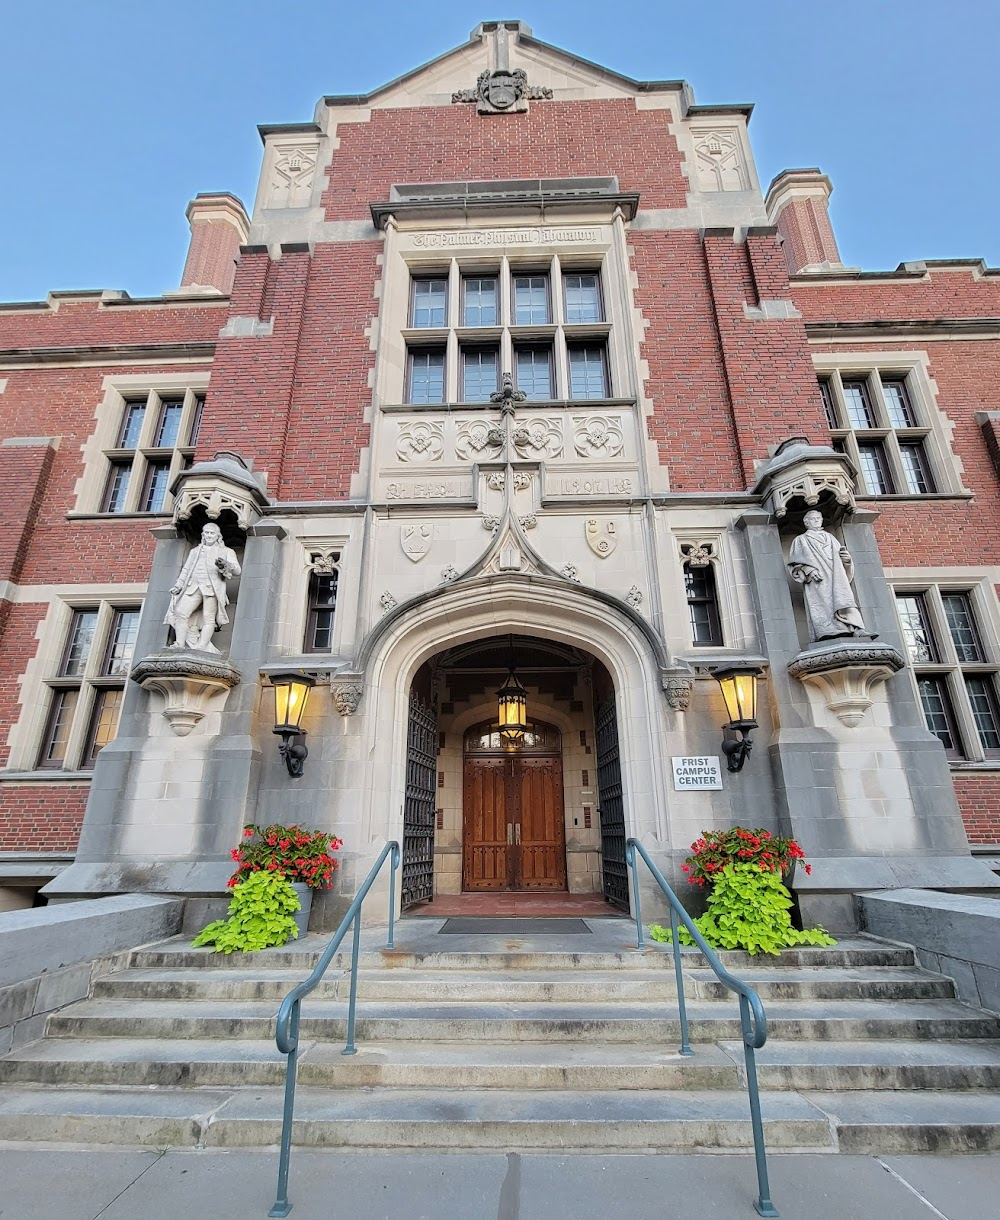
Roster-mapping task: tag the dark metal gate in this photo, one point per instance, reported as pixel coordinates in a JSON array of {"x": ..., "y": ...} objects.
[
  {"x": 612, "y": 806},
  {"x": 418, "y": 809}
]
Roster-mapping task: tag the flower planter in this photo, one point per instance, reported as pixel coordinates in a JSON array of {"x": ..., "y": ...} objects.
[{"x": 305, "y": 896}]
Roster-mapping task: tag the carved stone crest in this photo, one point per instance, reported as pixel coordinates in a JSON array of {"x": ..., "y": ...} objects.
[
  {"x": 347, "y": 696},
  {"x": 416, "y": 539},
  {"x": 601, "y": 537},
  {"x": 498, "y": 91}
]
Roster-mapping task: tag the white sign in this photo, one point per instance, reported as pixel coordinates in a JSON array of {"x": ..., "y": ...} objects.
[{"x": 697, "y": 773}]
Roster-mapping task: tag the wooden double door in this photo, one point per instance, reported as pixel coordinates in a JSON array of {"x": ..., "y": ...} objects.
[{"x": 514, "y": 830}]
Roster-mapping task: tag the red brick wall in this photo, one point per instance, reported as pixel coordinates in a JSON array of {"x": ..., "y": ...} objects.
[
  {"x": 554, "y": 140},
  {"x": 41, "y": 817},
  {"x": 87, "y": 322},
  {"x": 979, "y": 800},
  {"x": 19, "y": 646}
]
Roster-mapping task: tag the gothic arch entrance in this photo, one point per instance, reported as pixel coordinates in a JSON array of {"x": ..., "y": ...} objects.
[{"x": 514, "y": 832}]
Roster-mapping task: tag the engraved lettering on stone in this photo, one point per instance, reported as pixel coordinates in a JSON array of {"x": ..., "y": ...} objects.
[
  {"x": 421, "y": 491},
  {"x": 601, "y": 537},
  {"x": 536, "y": 438},
  {"x": 721, "y": 164},
  {"x": 598, "y": 436},
  {"x": 595, "y": 487},
  {"x": 347, "y": 696},
  {"x": 416, "y": 539},
  {"x": 541, "y": 236},
  {"x": 420, "y": 441},
  {"x": 478, "y": 438}
]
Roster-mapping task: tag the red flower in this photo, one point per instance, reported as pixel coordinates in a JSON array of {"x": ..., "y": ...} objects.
[
  {"x": 808, "y": 868},
  {"x": 248, "y": 833}
]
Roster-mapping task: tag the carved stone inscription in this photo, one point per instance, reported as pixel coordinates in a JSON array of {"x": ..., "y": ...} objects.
[{"x": 539, "y": 236}]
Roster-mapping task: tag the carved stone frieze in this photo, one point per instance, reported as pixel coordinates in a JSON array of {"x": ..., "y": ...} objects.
[
  {"x": 478, "y": 439},
  {"x": 601, "y": 537},
  {"x": 187, "y": 682},
  {"x": 346, "y": 696},
  {"x": 538, "y": 438},
  {"x": 421, "y": 491},
  {"x": 598, "y": 436},
  {"x": 420, "y": 441}
]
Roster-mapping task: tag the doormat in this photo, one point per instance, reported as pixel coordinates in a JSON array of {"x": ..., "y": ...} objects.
[{"x": 481, "y": 925}]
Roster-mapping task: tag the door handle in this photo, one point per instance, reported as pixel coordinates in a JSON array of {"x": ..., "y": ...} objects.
[
  {"x": 510, "y": 834},
  {"x": 517, "y": 834}
]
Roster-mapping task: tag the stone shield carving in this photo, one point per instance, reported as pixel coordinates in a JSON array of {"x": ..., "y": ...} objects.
[
  {"x": 416, "y": 539},
  {"x": 601, "y": 537}
]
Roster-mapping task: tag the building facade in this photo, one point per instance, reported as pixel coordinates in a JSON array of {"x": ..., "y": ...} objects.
[{"x": 513, "y": 367}]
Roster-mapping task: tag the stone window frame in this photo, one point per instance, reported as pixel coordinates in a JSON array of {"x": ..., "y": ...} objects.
[
  {"x": 102, "y": 450},
  {"x": 969, "y": 749},
  {"x": 931, "y": 430},
  {"x": 91, "y": 681},
  {"x": 726, "y": 600},
  {"x": 290, "y": 639},
  {"x": 335, "y": 556},
  {"x": 556, "y": 336}
]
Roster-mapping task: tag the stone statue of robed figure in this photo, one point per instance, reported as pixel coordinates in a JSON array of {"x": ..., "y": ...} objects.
[
  {"x": 824, "y": 569},
  {"x": 200, "y": 592}
]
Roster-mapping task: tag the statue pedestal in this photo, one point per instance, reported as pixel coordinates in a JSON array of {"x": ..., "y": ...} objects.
[
  {"x": 187, "y": 680},
  {"x": 845, "y": 670}
]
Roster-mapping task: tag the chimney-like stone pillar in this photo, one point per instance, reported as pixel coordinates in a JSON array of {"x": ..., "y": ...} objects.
[
  {"x": 219, "y": 226},
  {"x": 797, "y": 203}
]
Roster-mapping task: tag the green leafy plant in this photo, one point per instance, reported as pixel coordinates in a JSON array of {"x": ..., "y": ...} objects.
[
  {"x": 303, "y": 856},
  {"x": 748, "y": 909},
  {"x": 260, "y": 915}
]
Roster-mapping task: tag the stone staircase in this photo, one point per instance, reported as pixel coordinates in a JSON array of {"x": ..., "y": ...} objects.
[{"x": 513, "y": 1045}]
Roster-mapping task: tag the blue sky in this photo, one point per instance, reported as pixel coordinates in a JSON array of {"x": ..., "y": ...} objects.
[{"x": 116, "y": 113}]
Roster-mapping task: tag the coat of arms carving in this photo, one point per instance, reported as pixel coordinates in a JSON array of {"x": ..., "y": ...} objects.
[
  {"x": 416, "y": 539},
  {"x": 601, "y": 537},
  {"x": 501, "y": 90}
]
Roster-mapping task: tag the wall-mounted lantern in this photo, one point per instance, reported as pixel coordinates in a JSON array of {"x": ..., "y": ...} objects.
[
  {"x": 739, "y": 689},
  {"x": 291, "y": 692},
  {"x": 512, "y": 710}
]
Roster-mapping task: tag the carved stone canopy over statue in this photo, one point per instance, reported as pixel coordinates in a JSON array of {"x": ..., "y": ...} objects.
[
  {"x": 200, "y": 592},
  {"x": 825, "y": 570}
]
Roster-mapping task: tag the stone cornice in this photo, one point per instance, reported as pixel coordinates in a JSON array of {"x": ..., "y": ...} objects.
[
  {"x": 904, "y": 328},
  {"x": 114, "y": 353}
]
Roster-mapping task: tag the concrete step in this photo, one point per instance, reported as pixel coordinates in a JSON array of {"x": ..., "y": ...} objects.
[
  {"x": 571, "y": 986},
  {"x": 506, "y": 1120},
  {"x": 498, "y": 1120},
  {"x": 204, "y": 1062},
  {"x": 655, "y": 1024},
  {"x": 611, "y": 948}
]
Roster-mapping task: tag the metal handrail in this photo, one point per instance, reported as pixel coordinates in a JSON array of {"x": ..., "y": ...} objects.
[
  {"x": 752, "y": 1019},
  {"x": 287, "y": 1033}
]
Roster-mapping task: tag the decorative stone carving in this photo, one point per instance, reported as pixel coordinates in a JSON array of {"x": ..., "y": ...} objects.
[
  {"x": 491, "y": 523},
  {"x": 387, "y": 602},
  {"x": 346, "y": 696},
  {"x": 678, "y": 692},
  {"x": 720, "y": 160},
  {"x": 478, "y": 438},
  {"x": 634, "y": 597},
  {"x": 292, "y": 177},
  {"x": 801, "y": 476},
  {"x": 528, "y": 521},
  {"x": 598, "y": 436},
  {"x": 698, "y": 554},
  {"x": 506, "y": 396},
  {"x": 421, "y": 491},
  {"x": 199, "y": 599},
  {"x": 846, "y": 673},
  {"x": 420, "y": 440},
  {"x": 824, "y": 569},
  {"x": 497, "y": 481},
  {"x": 537, "y": 438},
  {"x": 324, "y": 562},
  {"x": 450, "y": 574},
  {"x": 225, "y": 484},
  {"x": 601, "y": 537},
  {"x": 501, "y": 90},
  {"x": 416, "y": 539},
  {"x": 187, "y": 682},
  {"x": 570, "y": 572}
]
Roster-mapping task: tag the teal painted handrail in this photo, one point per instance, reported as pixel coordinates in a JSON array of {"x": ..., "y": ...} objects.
[
  {"x": 753, "y": 1022},
  {"x": 287, "y": 1033}
]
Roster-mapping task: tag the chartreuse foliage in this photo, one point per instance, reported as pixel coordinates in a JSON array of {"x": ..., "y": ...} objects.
[
  {"x": 748, "y": 909},
  {"x": 260, "y": 915}
]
